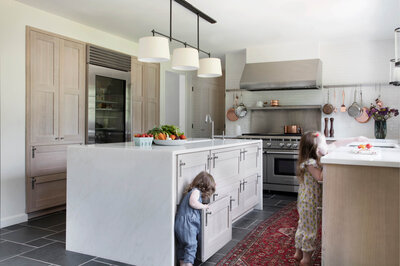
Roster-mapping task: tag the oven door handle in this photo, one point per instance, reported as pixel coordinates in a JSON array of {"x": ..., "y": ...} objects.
[{"x": 283, "y": 152}]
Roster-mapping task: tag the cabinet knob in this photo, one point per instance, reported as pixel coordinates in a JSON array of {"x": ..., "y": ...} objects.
[
  {"x": 62, "y": 138},
  {"x": 56, "y": 138}
]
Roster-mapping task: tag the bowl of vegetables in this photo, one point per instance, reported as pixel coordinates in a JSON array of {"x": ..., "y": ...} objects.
[{"x": 168, "y": 135}]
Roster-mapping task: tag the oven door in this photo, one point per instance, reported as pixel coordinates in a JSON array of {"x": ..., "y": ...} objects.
[{"x": 281, "y": 167}]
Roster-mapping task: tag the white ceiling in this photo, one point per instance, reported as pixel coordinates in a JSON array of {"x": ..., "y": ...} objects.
[{"x": 240, "y": 23}]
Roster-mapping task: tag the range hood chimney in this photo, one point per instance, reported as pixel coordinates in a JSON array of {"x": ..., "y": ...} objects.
[{"x": 284, "y": 75}]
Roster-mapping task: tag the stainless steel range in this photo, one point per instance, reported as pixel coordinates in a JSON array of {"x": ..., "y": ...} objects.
[{"x": 280, "y": 153}]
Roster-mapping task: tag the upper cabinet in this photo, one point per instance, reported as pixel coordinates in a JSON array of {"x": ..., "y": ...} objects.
[
  {"x": 55, "y": 89},
  {"x": 145, "y": 96}
]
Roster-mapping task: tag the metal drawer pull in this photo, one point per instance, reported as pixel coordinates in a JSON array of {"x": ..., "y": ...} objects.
[
  {"x": 62, "y": 138},
  {"x": 56, "y": 138},
  {"x": 232, "y": 200},
  {"x": 215, "y": 195},
  {"x": 180, "y": 167},
  {"x": 207, "y": 213}
]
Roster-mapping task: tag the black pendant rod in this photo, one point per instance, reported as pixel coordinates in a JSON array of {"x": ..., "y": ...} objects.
[
  {"x": 170, "y": 20},
  {"x": 196, "y": 11},
  {"x": 182, "y": 42}
]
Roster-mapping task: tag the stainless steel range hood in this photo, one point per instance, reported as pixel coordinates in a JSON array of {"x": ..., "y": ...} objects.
[{"x": 285, "y": 75}]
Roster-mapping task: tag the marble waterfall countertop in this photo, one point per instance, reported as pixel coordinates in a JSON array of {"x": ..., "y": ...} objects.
[
  {"x": 192, "y": 145},
  {"x": 387, "y": 155}
]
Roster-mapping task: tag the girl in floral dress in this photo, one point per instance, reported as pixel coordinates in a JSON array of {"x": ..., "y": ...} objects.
[{"x": 309, "y": 172}]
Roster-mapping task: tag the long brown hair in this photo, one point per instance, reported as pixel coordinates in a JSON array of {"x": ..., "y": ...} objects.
[
  {"x": 205, "y": 183},
  {"x": 307, "y": 150}
]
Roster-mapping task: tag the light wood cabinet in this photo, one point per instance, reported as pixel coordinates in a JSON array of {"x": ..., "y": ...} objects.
[
  {"x": 145, "y": 96},
  {"x": 216, "y": 227},
  {"x": 55, "y": 113}
]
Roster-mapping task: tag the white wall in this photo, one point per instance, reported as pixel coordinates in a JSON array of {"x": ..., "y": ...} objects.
[
  {"x": 343, "y": 63},
  {"x": 14, "y": 17}
]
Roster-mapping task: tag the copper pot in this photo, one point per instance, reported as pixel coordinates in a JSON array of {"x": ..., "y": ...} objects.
[
  {"x": 274, "y": 102},
  {"x": 292, "y": 129}
]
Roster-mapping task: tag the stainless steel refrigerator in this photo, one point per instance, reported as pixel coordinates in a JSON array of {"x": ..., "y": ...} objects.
[{"x": 109, "y": 105}]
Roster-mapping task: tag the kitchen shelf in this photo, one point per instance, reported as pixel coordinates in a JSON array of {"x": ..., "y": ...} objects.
[
  {"x": 103, "y": 101},
  {"x": 109, "y": 109},
  {"x": 284, "y": 107}
]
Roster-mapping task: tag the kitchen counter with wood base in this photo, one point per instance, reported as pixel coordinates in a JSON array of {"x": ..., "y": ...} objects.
[
  {"x": 360, "y": 216},
  {"x": 122, "y": 199}
]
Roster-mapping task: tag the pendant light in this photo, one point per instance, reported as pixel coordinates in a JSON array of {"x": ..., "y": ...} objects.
[
  {"x": 153, "y": 49},
  {"x": 210, "y": 68},
  {"x": 394, "y": 74},
  {"x": 397, "y": 47},
  {"x": 185, "y": 59}
]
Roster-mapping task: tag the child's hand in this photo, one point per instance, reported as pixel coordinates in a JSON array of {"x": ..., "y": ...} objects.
[{"x": 205, "y": 206}]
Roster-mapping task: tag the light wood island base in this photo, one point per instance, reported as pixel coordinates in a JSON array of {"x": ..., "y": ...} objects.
[{"x": 360, "y": 216}]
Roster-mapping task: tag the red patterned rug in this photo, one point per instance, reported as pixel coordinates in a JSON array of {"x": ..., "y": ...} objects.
[{"x": 271, "y": 242}]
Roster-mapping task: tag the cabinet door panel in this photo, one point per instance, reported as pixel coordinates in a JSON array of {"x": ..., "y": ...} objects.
[
  {"x": 151, "y": 115},
  {"x": 235, "y": 198},
  {"x": 151, "y": 90},
  {"x": 43, "y": 80},
  {"x": 188, "y": 167},
  {"x": 72, "y": 91},
  {"x": 216, "y": 231},
  {"x": 250, "y": 160},
  {"x": 225, "y": 166},
  {"x": 46, "y": 191},
  {"x": 250, "y": 190},
  {"x": 138, "y": 98}
]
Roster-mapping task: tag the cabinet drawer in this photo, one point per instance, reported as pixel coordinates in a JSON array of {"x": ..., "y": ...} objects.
[
  {"x": 216, "y": 228},
  {"x": 251, "y": 191},
  {"x": 224, "y": 165},
  {"x": 188, "y": 167},
  {"x": 250, "y": 161},
  {"x": 46, "y": 191},
  {"x": 47, "y": 160}
]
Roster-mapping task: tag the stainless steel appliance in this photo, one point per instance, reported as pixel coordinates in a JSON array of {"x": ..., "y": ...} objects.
[
  {"x": 280, "y": 153},
  {"x": 109, "y": 105}
]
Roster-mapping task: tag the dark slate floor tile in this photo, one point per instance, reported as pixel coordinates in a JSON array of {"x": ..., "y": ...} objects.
[
  {"x": 285, "y": 196},
  {"x": 58, "y": 228},
  {"x": 3, "y": 231},
  {"x": 112, "y": 262},
  {"x": 26, "y": 234},
  {"x": 225, "y": 249},
  {"x": 243, "y": 223},
  {"x": 283, "y": 203},
  {"x": 271, "y": 202},
  {"x": 13, "y": 227},
  {"x": 272, "y": 208},
  {"x": 9, "y": 249},
  {"x": 254, "y": 225},
  {"x": 259, "y": 215},
  {"x": 208, "y": 264},
  {"x": 39, "y": 242},
  {"x": 56, "y": 254},
  {"x": 57, "y": 237},
  {"x": 267, "y": 194},
  {"x": 94, "y": 263},
  {"x": 21, "y": 261},
  {"x": 215, "y": 258},
  {"x": 239, "y": 234},
  {"x": 47, "y": 221}
]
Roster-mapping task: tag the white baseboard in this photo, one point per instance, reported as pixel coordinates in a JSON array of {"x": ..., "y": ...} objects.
[{"x": 15, "y": 219}]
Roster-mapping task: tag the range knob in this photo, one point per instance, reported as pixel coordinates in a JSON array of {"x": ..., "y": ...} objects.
[
  {"x": 295, "y": 145},
  {"x": 282, "y": 144},
  {"x": 289, "y": 145},
  {"x": 269, "y": 144}
]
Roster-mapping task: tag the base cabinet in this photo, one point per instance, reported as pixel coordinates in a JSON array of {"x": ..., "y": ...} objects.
[
  {"x": 46, "y": 191},
  {"x": 216, "y": 228},
  {"x": 250, "y": 191}
]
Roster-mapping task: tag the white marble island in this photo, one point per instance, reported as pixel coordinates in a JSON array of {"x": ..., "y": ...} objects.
[
  {"x": 121, "y": 199},
  {"x": 361, "y": 206}
]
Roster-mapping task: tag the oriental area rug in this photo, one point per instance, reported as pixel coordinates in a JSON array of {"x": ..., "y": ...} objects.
[{"x": 271, "y": 242}]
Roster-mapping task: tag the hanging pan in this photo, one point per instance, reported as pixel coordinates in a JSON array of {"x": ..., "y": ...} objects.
[
  {"x": 241, "y": 109},
  {"x": 354, "y": 109},
  {"x": 328, "y": 108},
  {"x": 230, "y": 114},
  {"x": 364, "y": 117}
]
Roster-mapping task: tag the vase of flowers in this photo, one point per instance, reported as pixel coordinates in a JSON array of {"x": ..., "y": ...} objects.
[{"x": 380, "y": 114}]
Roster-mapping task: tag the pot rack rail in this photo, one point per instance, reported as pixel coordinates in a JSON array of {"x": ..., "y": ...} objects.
[
  {"x": 199, "y": 14},
  {"x": 326, "y": 86}
]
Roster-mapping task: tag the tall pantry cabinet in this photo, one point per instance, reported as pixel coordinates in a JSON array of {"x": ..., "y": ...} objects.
[{"x": 55, "y": 114}]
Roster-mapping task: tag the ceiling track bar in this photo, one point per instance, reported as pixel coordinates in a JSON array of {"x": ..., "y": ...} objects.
[
  {"x": 182, "y": 42},
  {"x": 196, "y": 11}
]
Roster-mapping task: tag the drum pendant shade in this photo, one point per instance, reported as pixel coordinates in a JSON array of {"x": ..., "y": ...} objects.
[
  {"x": 153, "y": 49},
  {"x": 209, "y": 68},
  {"x": 185, "y": 59}
]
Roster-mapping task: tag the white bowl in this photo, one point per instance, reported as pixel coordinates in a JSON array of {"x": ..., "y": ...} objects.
[{"x": 170, "y": 142}]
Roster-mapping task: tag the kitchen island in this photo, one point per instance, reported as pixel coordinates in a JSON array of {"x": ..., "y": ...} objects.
[
  {"x": 122, "y": 199},
  {"x": 361, "y": 206}
]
